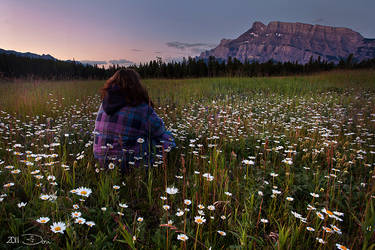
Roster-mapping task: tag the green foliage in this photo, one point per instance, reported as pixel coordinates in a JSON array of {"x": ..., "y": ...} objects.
[{"x": 20, "y": 67}]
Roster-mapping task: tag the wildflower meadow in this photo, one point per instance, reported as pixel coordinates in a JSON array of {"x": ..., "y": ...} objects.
[{"x": 275, "y": 163}]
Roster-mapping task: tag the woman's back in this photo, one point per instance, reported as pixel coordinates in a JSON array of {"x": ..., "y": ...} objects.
[
  {"x": 129, "y": 130},
  {"x": 127, "y": 127},
  {"x": 120, "y": 130}
]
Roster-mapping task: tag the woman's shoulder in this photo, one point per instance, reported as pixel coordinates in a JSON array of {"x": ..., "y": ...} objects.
[{"x": 141, "y": 108}]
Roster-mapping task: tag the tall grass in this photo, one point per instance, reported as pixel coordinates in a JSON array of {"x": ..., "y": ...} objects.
[{"x": 34, "y": 98}]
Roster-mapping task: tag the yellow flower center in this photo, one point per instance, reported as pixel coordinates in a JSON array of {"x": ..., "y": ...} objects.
[
  {"x": 43, "y": 221},
  {"x": 83, "y": 192},
  {"x": 329, "y": 212},
  {"x": 57, "y": 228}
]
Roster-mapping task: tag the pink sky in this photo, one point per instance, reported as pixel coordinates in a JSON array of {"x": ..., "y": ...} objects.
[
  {"x": 68, "y": 34},
  {"x": 141, "y": 30},
  {"x": 31, "y": 30}
]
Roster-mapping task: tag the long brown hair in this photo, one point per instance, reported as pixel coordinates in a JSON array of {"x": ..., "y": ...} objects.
[{"x": 129, "y": 82}]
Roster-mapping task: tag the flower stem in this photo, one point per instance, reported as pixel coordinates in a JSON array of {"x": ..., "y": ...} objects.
[{"x": 196, "y": 238}]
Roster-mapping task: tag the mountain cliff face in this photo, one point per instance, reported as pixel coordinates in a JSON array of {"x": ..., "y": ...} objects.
[{"x": 292, "y": 42}]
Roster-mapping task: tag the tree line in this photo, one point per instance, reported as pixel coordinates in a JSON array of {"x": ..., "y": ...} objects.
[{"x": 19, "y": 67}]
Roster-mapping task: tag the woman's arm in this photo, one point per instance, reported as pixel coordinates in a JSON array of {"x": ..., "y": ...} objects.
[{"x": 158, "y": 132}]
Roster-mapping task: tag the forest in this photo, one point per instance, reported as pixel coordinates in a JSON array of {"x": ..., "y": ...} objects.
[{"x": 19, "y": 67}]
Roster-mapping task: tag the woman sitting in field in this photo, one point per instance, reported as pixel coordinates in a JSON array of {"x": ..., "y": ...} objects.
[{"x": 127, "y": 129}]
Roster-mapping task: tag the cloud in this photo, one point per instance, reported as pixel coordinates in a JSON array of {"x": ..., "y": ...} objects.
[
  {"x": 190, "y": 49},
  {"x": 319, "y": 20},
  {"x": 157, "y": 52},
  {"x": 91, "y": 62},
  {"x": 106, "y": 63},
  {"x": 173, "y": 59},
  {"x": 198, "y": 50},
  {"x": 120, "y": 61},
  {"x": 183, "y": 46},
  {"x": 137, "y": 50}
]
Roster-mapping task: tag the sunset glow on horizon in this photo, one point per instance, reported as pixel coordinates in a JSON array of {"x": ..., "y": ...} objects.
[{"x": 140, "y": 31}]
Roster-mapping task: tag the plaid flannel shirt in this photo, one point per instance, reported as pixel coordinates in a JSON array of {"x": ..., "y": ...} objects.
[{"x": 117, "y": 135}]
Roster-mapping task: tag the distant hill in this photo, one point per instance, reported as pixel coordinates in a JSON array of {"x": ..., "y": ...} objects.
[
  {"x": 36, "y": 56},
  {"x": 28, "y": 54},
  {"x": 28, "y": 65},
  {"x": 283, "y": 42}
]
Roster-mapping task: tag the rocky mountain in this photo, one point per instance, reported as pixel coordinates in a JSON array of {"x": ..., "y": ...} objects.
[
  {"x": 281, "y": 41},
  {"x": 28, "y": 54}
]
